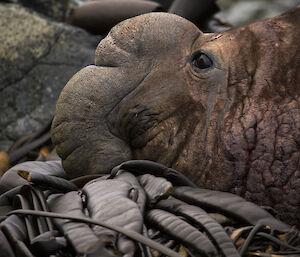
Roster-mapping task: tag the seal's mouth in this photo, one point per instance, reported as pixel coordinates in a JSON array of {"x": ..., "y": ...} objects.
[
  {"x": 146, "y": 111},
  {"x": 129, "y": 99}
]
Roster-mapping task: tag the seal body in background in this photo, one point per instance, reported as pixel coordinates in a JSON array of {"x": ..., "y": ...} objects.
[{"x": 99, "y": 16}]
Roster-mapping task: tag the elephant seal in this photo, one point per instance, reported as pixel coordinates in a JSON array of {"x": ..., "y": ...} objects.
[{"x": 222, "y": 108}]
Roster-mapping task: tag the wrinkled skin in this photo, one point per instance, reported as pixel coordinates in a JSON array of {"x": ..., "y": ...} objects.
[{"x": 234, "y": 126}]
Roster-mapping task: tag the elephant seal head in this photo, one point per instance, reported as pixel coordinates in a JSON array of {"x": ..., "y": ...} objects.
[
  {"x": 223, "y": 108},
  {"x": 97, "y": 122}
]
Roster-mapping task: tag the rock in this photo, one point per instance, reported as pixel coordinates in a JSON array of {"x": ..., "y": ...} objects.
[
  {"x": 57, "y": 10},
  {"x": 37, "y": 58},
  {"x": 245, "y": 11}
]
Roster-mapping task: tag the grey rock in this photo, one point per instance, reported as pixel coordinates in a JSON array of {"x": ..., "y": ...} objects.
[
  {"x": 239, "y": 12},
  {"x": 37, "y": 58},
  {"x": 57, "y": 10}
]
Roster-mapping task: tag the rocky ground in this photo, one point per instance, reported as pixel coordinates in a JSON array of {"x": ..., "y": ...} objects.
[{"x": 37, "y": 57}]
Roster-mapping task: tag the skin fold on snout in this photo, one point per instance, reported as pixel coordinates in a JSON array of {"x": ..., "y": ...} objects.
[{"x": 221, "y": 108}]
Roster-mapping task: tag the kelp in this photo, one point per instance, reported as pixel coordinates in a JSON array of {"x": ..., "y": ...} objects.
[
  {"x": 230, "y": 204},
  {"x": 134, "y": 213}
]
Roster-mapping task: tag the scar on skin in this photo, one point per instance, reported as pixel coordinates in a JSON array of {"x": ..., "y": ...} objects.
[{"x": 216, "y": 37}]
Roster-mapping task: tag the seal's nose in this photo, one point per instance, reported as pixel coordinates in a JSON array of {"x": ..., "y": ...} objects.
[
  {"x": 120, "y": 46},
  {"x": 109, "y": 54},
  {"x": 147, "y": 36}
]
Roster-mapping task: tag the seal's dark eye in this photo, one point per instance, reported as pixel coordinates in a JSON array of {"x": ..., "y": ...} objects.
[{"x": 200, "y": 61}]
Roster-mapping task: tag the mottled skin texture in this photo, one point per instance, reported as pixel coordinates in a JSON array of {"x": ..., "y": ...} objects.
[{"x": 233, "y": 127}]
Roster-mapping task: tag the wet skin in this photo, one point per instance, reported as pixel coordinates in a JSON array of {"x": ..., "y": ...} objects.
[{"x": 223, "y": 108}]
